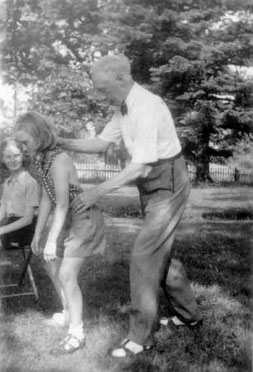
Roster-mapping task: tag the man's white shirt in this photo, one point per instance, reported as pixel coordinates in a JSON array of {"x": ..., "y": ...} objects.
[{"x": 147, "y": 129}]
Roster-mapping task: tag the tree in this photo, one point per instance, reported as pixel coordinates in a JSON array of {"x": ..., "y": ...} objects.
[
  {"x": 180, "y": 49},
  {"x": 47, "y": 47},
  {"x": 190, "y": 50}
]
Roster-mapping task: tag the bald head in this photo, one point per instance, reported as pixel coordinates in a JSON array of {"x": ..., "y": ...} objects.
[
  {"x": 111, "y": 75},
  {"x": 118, "y": 64}
]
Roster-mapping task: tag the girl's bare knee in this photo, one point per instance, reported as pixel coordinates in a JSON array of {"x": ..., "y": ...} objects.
[{"x": 64, "y": 276}]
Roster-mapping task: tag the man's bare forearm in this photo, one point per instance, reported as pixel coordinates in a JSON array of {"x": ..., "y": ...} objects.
[
  {"x": 129, "y": 174},
  {"x": 89, "y": 146}
]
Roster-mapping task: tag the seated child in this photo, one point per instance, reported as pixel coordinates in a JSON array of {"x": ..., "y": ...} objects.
[{"x": 20, "y": 196}]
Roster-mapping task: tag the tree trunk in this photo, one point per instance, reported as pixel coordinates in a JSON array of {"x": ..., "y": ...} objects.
[{"x": 202, "y": 171}]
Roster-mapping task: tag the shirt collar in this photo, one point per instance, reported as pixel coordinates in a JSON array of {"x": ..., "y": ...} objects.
[
  {"x": 19, "y": 178},
  {"x": 131, "y": 95}
]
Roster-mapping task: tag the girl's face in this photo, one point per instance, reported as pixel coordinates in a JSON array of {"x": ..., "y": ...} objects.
[
  {"x": 27, "y": 139},
  {"x": 13, "y": 158}
]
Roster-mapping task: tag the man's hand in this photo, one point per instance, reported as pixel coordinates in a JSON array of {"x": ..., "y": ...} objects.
[
  {"x": 90, "y": 196},
  {"x": 60, "y": 141},
  {"x": 86, "y": 199}
]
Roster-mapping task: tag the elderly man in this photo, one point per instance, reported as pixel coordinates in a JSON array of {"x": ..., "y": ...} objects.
[{"x": 145, "y": 123}]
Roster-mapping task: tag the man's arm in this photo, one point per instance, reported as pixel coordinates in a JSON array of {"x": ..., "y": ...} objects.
[
  {"x": 89, "y": 146},
  {"x": 91, "y": 196},
  {"x": 127, "y": 175}
]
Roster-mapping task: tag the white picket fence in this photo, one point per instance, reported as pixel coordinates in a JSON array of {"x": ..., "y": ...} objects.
[
  {"x": 95, "y": 172},
  {"x": 225, "y": 174}
]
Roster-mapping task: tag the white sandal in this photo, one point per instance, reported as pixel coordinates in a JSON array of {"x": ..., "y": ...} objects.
[
  {"x": 69, "y": 345},
  {"x": 128, "y": 347}
]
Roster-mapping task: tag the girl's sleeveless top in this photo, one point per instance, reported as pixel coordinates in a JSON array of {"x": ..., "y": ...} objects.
[{"x": 42, "y": 170}]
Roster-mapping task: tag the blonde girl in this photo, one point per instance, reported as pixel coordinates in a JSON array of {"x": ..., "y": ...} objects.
[{"x": 83, "y": 231}]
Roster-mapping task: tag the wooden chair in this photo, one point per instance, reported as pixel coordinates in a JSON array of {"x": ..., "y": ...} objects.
[{"x": 24, "y": 270}]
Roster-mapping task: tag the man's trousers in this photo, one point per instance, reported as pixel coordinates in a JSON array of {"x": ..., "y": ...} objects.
[{"x": 163, "y": 194}]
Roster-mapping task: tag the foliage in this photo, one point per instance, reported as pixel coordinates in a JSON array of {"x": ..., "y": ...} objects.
[
  {"x": 187, "y": 51},
  {"x": 191, "y": 51},
  {"x": 68, "y": 98},
  {"x": 47, "y": 47},
  {"x": 242, "y": 156}
]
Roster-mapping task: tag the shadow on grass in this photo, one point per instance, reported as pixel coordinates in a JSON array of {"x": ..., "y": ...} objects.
[
  {"x": 229, "y": 214},
  {"x": 217, "y": 261},
  {"x": 218, "y": 256}
]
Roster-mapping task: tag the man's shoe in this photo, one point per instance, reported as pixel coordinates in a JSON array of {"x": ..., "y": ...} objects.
[
  {"x": 166, "y": 322},
  {"x": 128, "y": 347}
]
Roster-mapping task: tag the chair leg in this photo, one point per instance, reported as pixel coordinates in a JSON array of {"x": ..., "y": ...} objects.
[
  {"x": 31, "y": 277},
  {"x": 26, "y": 269},
  {"x": 27, "y": 262}
]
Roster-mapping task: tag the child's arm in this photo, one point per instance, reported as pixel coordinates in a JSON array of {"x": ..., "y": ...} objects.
[
  {"x": 44, "y": 210},
  {"x": 60, "y": 172},
  {"x": 2, "y": 211},
  {"x": 22, "y": 222}
]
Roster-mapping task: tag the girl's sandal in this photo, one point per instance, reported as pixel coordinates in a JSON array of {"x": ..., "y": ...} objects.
[
  {"x": 122, "y": 351},
  {"x": 69, "y": 345}
]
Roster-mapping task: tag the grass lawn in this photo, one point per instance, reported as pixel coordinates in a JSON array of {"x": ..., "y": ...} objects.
[{"x": 216, "y": 252}]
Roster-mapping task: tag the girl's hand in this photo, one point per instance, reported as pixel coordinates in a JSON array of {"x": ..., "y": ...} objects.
[
  {"x": 35, "y": 244},
  {"x": 50, "y": 251}
]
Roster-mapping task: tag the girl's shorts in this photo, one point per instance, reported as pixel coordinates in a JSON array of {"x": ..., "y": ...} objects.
[{"x": 83, "y": 234}]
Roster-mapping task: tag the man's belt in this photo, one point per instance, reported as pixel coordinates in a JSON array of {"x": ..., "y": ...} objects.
[{"x": 164, "y": 161}]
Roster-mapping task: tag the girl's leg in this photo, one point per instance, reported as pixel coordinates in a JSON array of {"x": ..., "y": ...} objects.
[
  {"x": 53, "y": 268},
  {"x": 68, "y": 275}
]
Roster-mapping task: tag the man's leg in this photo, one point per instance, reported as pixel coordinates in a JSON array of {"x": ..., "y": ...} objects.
[
  {"x": 153, "y": 251},
  {"x": 177, "y": 289},
  {"x": 148, "y": 261}
]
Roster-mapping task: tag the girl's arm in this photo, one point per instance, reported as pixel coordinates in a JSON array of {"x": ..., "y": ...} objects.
[
  {"x": 60, "y": 172},
  {"x": 2, "y": 211},
  {"x": 22, "y": 222},
  {"x": 44, "y": 211}
]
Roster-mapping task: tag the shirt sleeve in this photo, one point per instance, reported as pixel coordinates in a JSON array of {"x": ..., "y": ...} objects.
[
  {"x": 145, "y": 149},
  {"x": 3, "y": 198},
  {"x": 32, "y": 193},
  {"x": 112, "y": 131}
]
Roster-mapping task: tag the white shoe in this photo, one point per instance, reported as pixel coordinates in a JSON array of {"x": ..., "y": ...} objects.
[
  {"x": 177, "y": 322},
  {"x": 128, "y": 347}
]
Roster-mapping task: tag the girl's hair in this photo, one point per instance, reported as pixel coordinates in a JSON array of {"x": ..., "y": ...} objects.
[
  {"x": 7, "y": 141},
  {"x": 39, "y": 128}
]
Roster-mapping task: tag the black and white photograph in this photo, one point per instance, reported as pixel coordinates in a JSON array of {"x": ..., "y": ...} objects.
[{"x": 126, "y": 185}]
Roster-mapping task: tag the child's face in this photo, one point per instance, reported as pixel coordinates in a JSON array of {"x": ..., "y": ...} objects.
[
  {"x": 27, "y": 139},
  {"x": 13, "y": 157}
]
